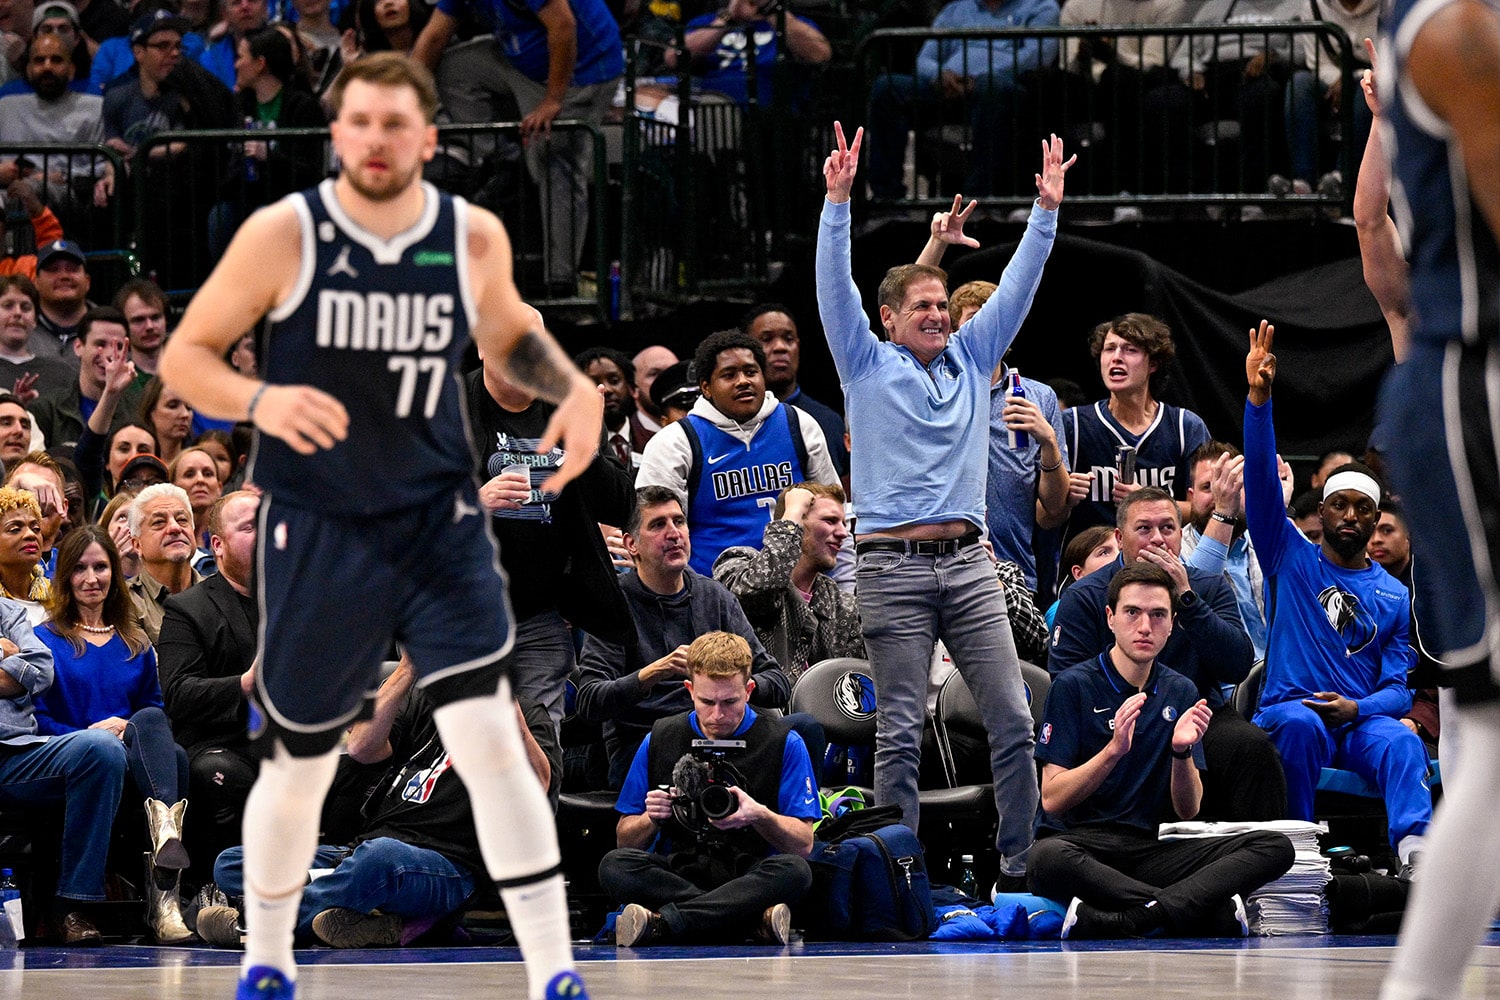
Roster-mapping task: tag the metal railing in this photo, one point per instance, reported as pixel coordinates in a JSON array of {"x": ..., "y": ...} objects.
[
  {"x": 66, "y": 177},
  {"x": 192, "y": 189},
  {"x": 1144, "y": 133}
]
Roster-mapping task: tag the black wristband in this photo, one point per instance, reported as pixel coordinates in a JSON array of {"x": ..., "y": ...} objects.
[
  {"x": 1183, "y": 755},
  {"x": 1226, "y": 519}
]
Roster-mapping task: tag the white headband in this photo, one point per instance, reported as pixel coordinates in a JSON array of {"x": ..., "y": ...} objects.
[{"x": 1351, "y": 480}]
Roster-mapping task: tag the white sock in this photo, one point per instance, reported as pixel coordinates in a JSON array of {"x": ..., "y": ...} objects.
[
  {"x": 281, "y": 836},
  {"x": 1410, "y": 844},
  {"x": 1454, "y": 898},
  {"x": 516, "y": 828}
]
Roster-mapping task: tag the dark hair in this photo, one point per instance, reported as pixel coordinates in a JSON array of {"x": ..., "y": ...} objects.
[
  {"x": 1305, "y": 504},
  {"x": 276, "y": 49},
  {"x": 589, "y": 355},
  {"x": 706, "y": 357},
  {"x": 144, "y": 289},
  {"x": 1069, "y": 393},
  {"x": 755, "y": 312},
  {"x": 388, "y": 69},
  {"x": 1147, "y": 574},
  {"x": 372, "y": 36},
  {"x": 109, "y": 443},
  {"x": 100, "y": 314},
  {"x": 648, "y": 496},
  {"x": 10, "y": 397},
  {"x": 1208, "y": 451},
  {"x": 1076, "y": 553},
  {"x": 1146, "y": 494},
  {"x": 22, "y": 284},
  {"x": 1144, "y": 331},
  {"x": 119, "y": 609}
]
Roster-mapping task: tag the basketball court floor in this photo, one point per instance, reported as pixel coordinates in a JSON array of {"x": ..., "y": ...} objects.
[{"x": 1304, "y": 968}]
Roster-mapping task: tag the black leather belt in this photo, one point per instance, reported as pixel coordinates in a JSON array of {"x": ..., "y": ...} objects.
[{"x": 919, "y": 546}]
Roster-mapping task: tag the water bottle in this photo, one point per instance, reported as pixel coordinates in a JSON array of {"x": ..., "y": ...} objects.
[
  {"x": 252, "y": 172},
  {"x": 1018, "y": 439},
  {"x": 614, "y": 291},
  {"x": 967, "y": 884},
  {"x": 12, "y": 929}
]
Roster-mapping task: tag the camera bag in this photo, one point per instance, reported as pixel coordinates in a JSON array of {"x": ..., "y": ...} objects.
[{"x": 869, "y": 887}]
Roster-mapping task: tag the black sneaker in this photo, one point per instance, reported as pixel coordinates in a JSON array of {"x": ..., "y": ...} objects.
[
  {"x": 1083, "y": 922},
  {"x": 338, "y": 927},
  {"x": 637, "y": 926}
]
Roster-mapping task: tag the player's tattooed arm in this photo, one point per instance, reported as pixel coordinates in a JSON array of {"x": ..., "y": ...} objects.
[{"x": 538, "y": 364}]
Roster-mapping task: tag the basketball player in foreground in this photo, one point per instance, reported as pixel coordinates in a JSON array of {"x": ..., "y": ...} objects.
[{"x": 371, "y": 528}]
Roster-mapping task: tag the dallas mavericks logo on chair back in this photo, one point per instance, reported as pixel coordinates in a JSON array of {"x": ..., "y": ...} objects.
[{"x": 854, "y": 694}]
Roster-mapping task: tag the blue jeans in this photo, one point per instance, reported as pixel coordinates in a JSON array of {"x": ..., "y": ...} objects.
[
  {"x": 383, "y": 874},
  {"x": 907, "y": 603},
  {"x": 158, "y": 766},
  {"x": 1377, "y": 747},
  {"x": 85, "y": 771}
]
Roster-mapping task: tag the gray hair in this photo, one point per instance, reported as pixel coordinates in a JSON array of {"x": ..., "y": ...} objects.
[{"x": 152, "y": 492}]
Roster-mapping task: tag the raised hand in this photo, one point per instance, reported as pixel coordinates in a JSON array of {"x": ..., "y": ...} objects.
[
  {"x": 1191, "y": 726},
  {"x": 1049, "y": 183},
  {"x": 948, "y": 227},
  {"x": 25, "y": 388},
  {"x": 1125, "y": 719},
  {"x": 1260, "y": 363},
  {"x": 842, "y": 164},
  {"x": 1367, "y": 80}
]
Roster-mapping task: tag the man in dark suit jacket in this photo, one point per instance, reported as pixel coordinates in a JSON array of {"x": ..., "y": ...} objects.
[{"x": 206, "y": 654}]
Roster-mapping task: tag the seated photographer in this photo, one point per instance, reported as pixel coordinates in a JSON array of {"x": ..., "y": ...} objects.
[{"x": 701, "y": 857}]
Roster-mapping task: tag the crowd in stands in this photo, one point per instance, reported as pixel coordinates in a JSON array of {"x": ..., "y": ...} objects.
[{"x": 731, "y": 531}]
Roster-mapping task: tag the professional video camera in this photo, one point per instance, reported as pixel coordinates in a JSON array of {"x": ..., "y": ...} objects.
[{"x": 703, "y": 777}]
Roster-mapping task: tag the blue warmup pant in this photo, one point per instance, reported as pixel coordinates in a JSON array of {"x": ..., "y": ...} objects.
[{"x": 1378, "y": 748}]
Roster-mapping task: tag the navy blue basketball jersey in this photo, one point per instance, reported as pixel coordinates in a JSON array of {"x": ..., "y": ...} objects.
[
  {"x": 382, "y": 326},
  {"x": 1455, "y": 265},
  {"x": 1163, "y": 451},
  {"x": 735, "y": 487}
]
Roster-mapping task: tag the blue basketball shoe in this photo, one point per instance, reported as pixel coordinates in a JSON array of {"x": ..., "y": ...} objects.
[
  {"x": 566, "y": 986},
  {"x": 262, "y": 982}
]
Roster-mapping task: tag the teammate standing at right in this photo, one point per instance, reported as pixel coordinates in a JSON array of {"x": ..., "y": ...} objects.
[{"x": 1440, "y": 88}]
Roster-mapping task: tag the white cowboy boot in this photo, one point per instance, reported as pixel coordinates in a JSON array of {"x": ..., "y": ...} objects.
[
  {"x": 164, "y": 907},
  {"x": 164, "y": 828}
]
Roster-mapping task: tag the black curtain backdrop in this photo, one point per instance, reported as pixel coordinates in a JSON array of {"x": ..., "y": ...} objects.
[{"x": 1331, "y": 342}]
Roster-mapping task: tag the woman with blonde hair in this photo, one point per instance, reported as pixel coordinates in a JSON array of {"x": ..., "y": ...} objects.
[{"x": 21, "y": 576}]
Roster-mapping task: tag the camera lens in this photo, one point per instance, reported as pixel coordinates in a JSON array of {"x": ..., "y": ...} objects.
[{"x": 717, "y": 801}]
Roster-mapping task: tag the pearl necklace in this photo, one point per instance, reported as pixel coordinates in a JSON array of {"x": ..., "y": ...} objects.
[{"x": 97, "y": 629}]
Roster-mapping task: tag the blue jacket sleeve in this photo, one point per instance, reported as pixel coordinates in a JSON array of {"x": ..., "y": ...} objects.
[
  {"x": 854, "y": 347},
  {"x": 1216, "y": 632},
  {"x": 1078, "y": 631},
  {"x": 1265, "y": 511},
  {"x": 1392, "y": 697}
]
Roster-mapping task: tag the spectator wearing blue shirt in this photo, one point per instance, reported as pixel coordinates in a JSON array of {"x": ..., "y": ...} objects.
[
  {"x": 981, "y": 75},
  {"x": 1337, "y": 651},
  {"x": 1121, "y": 742},
  {"x": 918, "y": 399},
  {"x": 555, "y": 59},
  {"x": 244, "y": 17},
  {"x": 719, "y": 46},
  {"x": 683, "y": 875}
]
